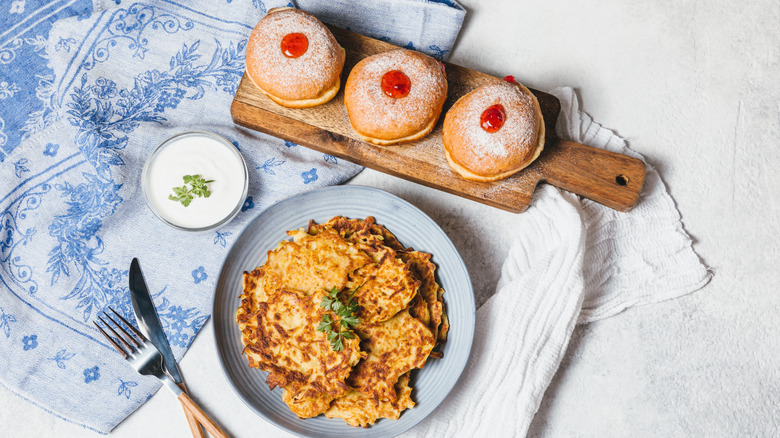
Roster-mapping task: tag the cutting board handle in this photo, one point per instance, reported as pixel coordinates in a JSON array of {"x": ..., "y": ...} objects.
[{"x": 608, "y": 178}]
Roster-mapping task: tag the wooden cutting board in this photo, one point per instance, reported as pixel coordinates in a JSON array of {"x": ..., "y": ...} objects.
[{"x": 611, "y": 179}]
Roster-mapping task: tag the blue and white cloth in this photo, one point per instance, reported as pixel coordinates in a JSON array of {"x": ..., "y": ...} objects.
[{"x": 87, "y": 90}]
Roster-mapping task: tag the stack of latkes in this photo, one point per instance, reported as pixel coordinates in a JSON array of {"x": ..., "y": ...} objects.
[{"x": 397, "y": 302}]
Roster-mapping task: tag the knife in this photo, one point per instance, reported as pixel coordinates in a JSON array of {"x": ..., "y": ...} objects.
[{"x": 149, "y": 323}]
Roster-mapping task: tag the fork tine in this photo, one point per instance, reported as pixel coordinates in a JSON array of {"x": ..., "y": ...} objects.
[
  {"x": 124, "y": 341},
  {"x": 124, "y": 332},
  {"x": 111, "y": 340},
  {"x": 137, "y": 333}
]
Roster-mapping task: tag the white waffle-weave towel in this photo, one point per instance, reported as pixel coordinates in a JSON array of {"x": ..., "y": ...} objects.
[{"x": 574, "y": 261}]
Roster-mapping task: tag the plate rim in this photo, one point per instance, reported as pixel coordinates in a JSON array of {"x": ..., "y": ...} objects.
[{"x": 346, "y": 188}]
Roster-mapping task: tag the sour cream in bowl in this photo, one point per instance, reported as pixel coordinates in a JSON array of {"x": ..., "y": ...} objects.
[{"x": 195, "y": 181}]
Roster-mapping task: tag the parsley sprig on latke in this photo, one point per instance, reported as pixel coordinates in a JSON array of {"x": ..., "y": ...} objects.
[{"x": 337, "y": 331}]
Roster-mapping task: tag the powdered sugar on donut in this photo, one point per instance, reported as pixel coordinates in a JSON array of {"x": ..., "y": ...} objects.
[
  {"x": 305, "y": 77},
  {"x": 375, "y": 114},
  {"x": 486, "y": 153}
]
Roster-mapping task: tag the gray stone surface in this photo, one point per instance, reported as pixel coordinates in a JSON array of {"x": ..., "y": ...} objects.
[{"x": 694, "y": 86}]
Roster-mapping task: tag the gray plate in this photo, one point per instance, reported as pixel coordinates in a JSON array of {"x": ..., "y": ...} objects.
[{"x": 413, "y": 228}]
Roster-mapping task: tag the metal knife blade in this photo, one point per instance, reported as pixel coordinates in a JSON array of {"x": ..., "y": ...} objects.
[{"x": 149, "y": 321}]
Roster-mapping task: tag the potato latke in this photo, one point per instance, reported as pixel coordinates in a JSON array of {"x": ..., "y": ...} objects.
[{"x": 400, "y": 311}]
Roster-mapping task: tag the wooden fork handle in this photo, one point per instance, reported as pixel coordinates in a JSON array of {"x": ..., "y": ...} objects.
[
  {"x": 200, "y": 416},
  {"x": 197, "y": 432}
]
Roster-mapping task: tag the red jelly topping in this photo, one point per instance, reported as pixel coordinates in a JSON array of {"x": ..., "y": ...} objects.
[
  {"x": 396, "y": 84},
  {"x": 294, "y": 45},
  {"x": 493, "y": 118},
  {"x": 510, "y": 79}
]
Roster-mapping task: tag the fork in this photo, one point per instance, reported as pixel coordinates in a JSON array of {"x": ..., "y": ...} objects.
[{"x": 147, "y": 360}]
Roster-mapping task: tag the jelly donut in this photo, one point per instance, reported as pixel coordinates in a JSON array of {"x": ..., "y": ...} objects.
[
  {"x": 396, "y": 96},
  {"x": 294, "y": 59},
  {"x": 493, "y": 132}
]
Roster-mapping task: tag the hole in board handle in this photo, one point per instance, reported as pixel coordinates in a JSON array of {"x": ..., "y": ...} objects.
[{"x": 621, "y": 180}]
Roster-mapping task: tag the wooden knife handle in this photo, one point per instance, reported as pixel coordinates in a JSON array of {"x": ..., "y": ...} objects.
[
  {"x": 197, "y": 432},
  {"x": 608, "y": 178},
  {"x": 202, "y": 418}
]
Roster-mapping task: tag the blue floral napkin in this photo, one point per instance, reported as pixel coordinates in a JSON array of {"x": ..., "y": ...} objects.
[{"x": 87, "y": 90}]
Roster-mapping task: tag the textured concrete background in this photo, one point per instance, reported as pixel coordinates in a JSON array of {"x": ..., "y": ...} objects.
[{"x": 695, "y": 87}]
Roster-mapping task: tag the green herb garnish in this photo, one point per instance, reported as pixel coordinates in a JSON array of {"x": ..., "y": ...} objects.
[
  {"x": 337, "y": 331},
  {"x": 197, "y": 188}
]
